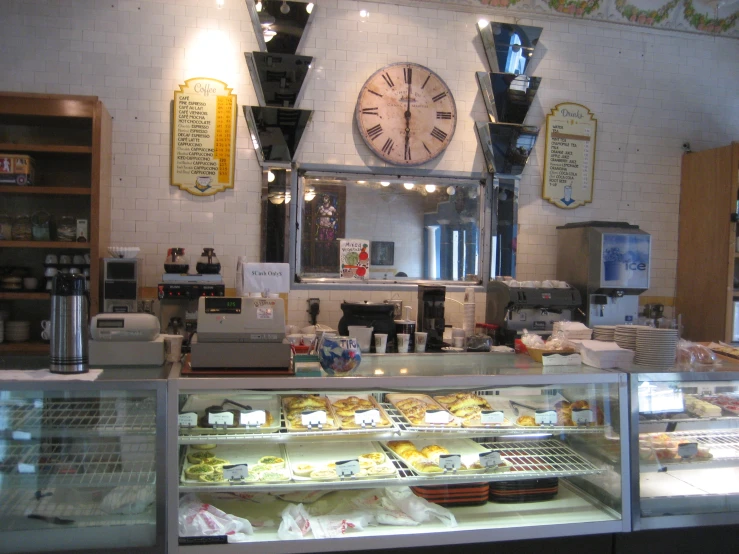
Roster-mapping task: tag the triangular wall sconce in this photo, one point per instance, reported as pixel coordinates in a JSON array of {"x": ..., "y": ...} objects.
[
  {"x": 276, "y": 133},
  {"x": 507, "y": 97},
  {"x": 278, "y": 78},
  {"x": 509, "y": 48},
  {"x": 506, "y": 146},
  {"x": 280, "y": 25}
]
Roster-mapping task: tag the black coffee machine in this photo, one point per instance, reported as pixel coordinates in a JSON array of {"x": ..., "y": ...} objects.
[
  {"x": 431, "y": 314},
  {"x": 369, "y": 314}
]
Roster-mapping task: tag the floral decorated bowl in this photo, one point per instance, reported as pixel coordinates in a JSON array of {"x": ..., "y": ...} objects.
[{"x": 339, "y": 355}]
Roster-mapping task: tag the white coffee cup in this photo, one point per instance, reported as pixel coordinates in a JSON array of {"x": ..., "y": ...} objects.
[
  {"x": 363, "y": 335},
  {"x": 173, "y": 347},
  {"x": 78, "y": 259},
  {"x": 380, "y": 343},
  {"x": 50, "y": 271},
  {"x": 458, "y": 342},
  {"x": 65, "y": 259},
  {"x": 74, "y": 270},
  {"x": 421, "y": 341},
  {"x": 48, "y": 284},
  {"x": 404, "y": 341},
  {"x": 294, "y": 339},
  {"x": 46, "y": 329},
  {"x": 30, "y": 283},
  {"x": 51, "y": 259}
]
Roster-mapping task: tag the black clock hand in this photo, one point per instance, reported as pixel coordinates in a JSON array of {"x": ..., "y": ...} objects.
[{"x": 408, "y": 115}]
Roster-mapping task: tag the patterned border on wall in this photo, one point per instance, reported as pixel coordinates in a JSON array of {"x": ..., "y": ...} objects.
[{"x": 709, "y": 17}]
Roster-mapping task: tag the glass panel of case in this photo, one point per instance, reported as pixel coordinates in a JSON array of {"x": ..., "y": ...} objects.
[
  {"x": 688, "y": 446},
  {"x": 77, "y": 470},
  {"x": 527, "y": 455}
]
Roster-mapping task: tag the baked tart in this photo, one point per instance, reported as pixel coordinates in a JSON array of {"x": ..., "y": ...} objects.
[{"x": 197, "y": 470}]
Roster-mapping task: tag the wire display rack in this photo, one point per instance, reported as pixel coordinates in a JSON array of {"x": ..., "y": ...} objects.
[
  {"x": 82, "y": 416},
  {"x": 527, "y": 460},
  {"x": 723, "y": 445},
  {"x": 79, "y": 463}
]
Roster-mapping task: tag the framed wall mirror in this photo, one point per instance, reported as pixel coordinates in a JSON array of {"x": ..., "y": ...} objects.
[{"x": 414, "y": 228}]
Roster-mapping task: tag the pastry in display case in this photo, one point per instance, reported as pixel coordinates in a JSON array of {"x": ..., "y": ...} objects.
[
  {"x": 425, "y": 453},
  {"x": 685, "y": 448}
]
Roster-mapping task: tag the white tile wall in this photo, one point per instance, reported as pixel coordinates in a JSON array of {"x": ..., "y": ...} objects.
[{"x": 651, "y": 91}]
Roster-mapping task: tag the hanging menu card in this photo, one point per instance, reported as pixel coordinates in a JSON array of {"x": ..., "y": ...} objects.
[
  {"x": 203, "y": 137},
  {"x": 569, "y": 156}
]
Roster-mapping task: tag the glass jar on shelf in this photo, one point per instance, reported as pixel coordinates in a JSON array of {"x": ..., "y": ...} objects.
[
  {"x": 22, "y": 228},
  {"x": 66, "y": 229},
  {"x": 6, "y": 225},
  {"x": 41, "y": 226}
]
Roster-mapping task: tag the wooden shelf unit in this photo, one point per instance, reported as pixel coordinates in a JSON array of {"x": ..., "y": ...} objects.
[
  {"x": 707, "y": 261},
  {"x": 69, "y": 137}
]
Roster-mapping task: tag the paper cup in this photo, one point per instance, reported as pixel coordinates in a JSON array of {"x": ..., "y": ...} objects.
[
  {"x": 421, "y": 341},
  {"x": 404, "y": 340},
  {"x": 380, "y": 343},
  {"x": 173, "y": 347}
]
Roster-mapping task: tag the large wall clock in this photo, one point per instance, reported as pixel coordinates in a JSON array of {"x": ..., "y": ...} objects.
[{"x": 406, "y": 114}]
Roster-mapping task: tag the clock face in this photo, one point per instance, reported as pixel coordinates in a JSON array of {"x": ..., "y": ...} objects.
[{"x": 406, "y": 114}]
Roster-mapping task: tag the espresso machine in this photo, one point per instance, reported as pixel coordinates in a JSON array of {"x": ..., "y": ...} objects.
[
  {"x": 431, "y": 314},
  {"x": 608, "y": 262},
  {"x": 514, "y": 306}
]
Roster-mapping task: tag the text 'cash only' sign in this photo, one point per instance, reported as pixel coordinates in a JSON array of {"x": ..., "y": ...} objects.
[
  {"x": 203, "y": 137},
  {"x": 256, "y": 277},
  {"x": 569, "y": 162}
]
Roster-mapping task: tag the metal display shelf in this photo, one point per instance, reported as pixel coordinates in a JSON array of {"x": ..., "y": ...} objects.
[
  {"x": 52, "y": 417},
  {"x": 526, "y": 460},
  {"x": 86, "y": 464}
]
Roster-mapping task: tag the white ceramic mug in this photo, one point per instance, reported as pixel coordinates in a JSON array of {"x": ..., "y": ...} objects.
[
  {"x": 30, "y": 283},
  {"x": 46, "y": 329},
  {"x": 51, "y": 259},
  {"x": 65, "y": 259},
  {"x": 50, "y": 271},
  {"x": 421, "y": 341},
  {"x": 458, "y": 342},
  {"x": 404, "y": 340},
  {"x": 294, "y": 339},
  {"x": 380, "y": 343}
]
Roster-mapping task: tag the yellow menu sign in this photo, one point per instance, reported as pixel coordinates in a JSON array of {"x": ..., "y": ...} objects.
[
  {"x": 203, "y": 137},
  {"x": 569, "y": 163}
]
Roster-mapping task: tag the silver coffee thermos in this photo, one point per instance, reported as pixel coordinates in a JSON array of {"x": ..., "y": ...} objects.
[{"x": 70, "y": 309}]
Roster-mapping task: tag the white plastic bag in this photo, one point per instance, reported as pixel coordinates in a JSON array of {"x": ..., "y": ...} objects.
[
  {"x": 332, "y": 526},
  {"x": 198, "y": 519},
  {"x": 295, "y": 523},
  {"x": 128, "y": 500},
  {"x": 419, "y": 509}
]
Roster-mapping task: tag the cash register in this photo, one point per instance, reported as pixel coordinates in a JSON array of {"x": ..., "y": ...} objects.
[{"x": 240, "y": 333}]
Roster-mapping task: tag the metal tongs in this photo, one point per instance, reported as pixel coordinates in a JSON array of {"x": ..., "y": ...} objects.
[{"x": 515, "y": 405}]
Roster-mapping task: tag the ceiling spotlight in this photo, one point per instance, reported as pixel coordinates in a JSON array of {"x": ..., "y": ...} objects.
[
  {"x": 430, "y": 188},
  {"x": 450, "y": 190},
  {"x": 269, "y": 34},
  {"x": 259, "y": 6},
  {"x": 270, "y": 176},
  {"x": 408, "y": 186},
  {"x": 385, "y": 183},
  {"x": 361, "y": 182},
  {"x": 285, "y": 9},
  {"x": 277, "y": 199},
  {"x": 483, "y": 23},
  {"x": 363, "y": 13},
  {"x": 219, "y": 3},
  {"x": 309, "y": 7}
]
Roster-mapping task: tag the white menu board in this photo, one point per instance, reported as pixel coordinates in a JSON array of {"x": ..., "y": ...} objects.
[
  {"x": 569, "y": 156},
  {"x": 203, "y": 137}
]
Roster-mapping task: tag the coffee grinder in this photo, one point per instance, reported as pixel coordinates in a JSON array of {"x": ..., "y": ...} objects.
[
  {"x": 431, "y": 314},
  {"x": 608, "y": 262}
]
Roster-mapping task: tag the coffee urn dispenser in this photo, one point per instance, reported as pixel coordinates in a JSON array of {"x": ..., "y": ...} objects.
[
  {"x": 70, "y": 308},
  {"x": 431, "y": 314}
]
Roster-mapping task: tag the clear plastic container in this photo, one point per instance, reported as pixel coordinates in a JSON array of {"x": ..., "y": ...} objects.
[
  {"x": 66, "y": 229},
  {"x": 22, "y": 228}
]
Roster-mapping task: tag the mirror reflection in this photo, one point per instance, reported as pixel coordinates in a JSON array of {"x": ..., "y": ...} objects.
[
  {"x": 276, "y": 132},
  {"x": 507, "y": 97},
  {"x": 414, "y": 230},
  {"x": 508, "y": 48},
  {"x": 506, "y": 147},
  {"x": 275, "y": 215},
  {"x": 505, "y": 228},
  {"x": 278, "y": 79},
  {"x": 279, "y": 24}
]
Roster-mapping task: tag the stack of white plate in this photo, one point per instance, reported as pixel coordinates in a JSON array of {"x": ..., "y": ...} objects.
[
  {"x": 625, "y": 336},
  {"x": 604, "y": 332},
  {"x": 656, "y": 347},
  {"x": 17, "y": 331}
]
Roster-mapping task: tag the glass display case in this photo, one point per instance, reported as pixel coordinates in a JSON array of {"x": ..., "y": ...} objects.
[
  {"x": 685, "y": 447},
  {"x": 82, "y": 463},
  {"x": 501, "y": 448}
]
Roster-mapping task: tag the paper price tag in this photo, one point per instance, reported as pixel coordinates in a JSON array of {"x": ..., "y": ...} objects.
[
  {"x": 26, "y": 468},
  {"x": 347, "y": 468},
  {"x": 187, "y": 419},
  {"x": 545, "y": 417},
  {"x": 687, "y": 449},
  {"x": 367, "y": 417},
  {"x": 313, "y": 418},
  {"x": 582, "y": 417},
  {"x": 490, "y": 459},
  {"x": 235, "y": 472},
  {"x": 450, "y": 462},
  {"x": 21, "y": 436},
  {"x": 437, "y": 417},
  {"x": 492, "y": 416},
  {"x": 221, "y": 418},
  {"x": 254, "y": 418}
]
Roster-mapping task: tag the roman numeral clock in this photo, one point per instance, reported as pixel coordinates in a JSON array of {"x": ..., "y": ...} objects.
[{"x": 406, "y": 114}]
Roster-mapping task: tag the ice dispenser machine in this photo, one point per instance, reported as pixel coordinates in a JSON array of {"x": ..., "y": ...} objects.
[{"x": 609, "y": 263}]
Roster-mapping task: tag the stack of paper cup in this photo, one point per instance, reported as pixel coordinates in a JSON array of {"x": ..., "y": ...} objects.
[{"x": 468, "y": 322}]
